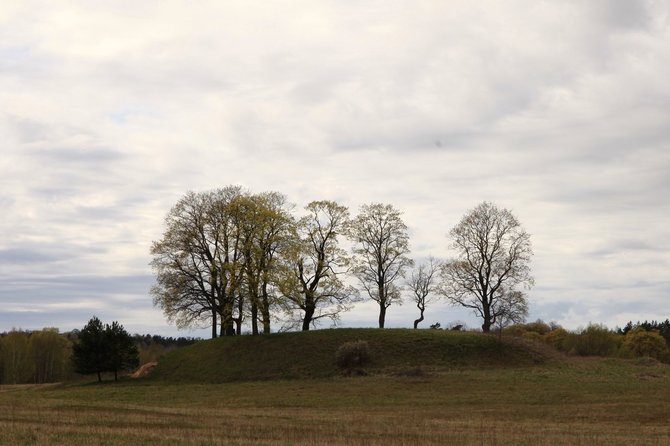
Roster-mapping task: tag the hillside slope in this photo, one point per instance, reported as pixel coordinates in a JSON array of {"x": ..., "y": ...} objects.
[{"x": 311, "y": 354}]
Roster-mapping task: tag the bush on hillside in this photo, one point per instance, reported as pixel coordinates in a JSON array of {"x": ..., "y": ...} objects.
[
  {"x": 640, "y": 342},
  {"x": 539, "y": 327},
  {"x": 557, "y": 338},
  {"x": 353, "y": 354}
]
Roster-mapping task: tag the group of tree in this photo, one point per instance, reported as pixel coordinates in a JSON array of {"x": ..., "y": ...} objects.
[
  {"x": 229, "y": 259},
  {"x": 104, "y": 348},
  {"x": 34, "y": 357},
  {"x": 46, "y": 356},
  {"x": 662, "y": 327}
]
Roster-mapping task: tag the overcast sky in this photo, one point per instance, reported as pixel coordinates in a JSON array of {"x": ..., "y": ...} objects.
[{"x": 112, "y": 111}]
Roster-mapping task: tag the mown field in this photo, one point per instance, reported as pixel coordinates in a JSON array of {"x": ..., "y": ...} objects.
[{"x": 562, "y": 401}]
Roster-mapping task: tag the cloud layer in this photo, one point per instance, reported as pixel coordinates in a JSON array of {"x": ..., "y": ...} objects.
[{"x": 555, "y": 110}]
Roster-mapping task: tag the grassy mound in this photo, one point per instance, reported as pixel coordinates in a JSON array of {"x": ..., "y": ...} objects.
[{"x": 312, "y": 354}]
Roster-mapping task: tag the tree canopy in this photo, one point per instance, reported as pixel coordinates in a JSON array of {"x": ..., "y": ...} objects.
[{"x": 380, "y": 253}]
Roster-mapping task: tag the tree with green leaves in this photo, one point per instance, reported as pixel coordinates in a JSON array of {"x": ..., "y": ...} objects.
[
  {"x": 264, "y": 224},
  {"x": 492, "y": 260},
  {"x": 314, "y": 264},
  {"x": 380, "y": 253}
]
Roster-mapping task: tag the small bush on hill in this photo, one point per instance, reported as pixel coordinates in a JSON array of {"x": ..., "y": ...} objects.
[
  {"x": 353, "y": 354},
  {"x": 539, "y": 327}
]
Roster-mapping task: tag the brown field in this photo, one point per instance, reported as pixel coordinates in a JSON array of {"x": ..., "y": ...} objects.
[{"x": 573, "y": 402}]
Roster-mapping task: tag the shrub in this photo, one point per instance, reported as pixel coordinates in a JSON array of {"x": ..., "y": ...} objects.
[
  {"x": 539, "y": 327},
  {"x": 557, "y": 338},
  {"x": 597, "y": 340},
  {"x": 532, "y": 336},
  {"x": 353, "y": 354},
  {"x": 641, "y": 342}
]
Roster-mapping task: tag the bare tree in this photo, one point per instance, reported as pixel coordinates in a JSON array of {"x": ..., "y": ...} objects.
[
  {"x": 311, "y": 283},
  {"x": 493, "y": 257},
  {"x": 421, "y": 283},
  {"x": 380, "y": 253},
  {"x": 513, "y": 309}
]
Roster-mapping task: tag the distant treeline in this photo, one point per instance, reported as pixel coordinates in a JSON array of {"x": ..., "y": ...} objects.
[{"x": 44, "y": 356}]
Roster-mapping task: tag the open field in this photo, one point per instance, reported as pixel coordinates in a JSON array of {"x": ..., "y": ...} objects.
[{"x": 571, "y": 402}]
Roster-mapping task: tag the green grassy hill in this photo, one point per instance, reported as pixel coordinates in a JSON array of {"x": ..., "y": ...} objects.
[{"x": 312, "y": 354}]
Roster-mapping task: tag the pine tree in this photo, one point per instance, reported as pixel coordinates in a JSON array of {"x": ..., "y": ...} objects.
[
  {"x": 89, "y": 352},
  {"x": 122, "y": 352},
  {"x": 106, "y": 348}
]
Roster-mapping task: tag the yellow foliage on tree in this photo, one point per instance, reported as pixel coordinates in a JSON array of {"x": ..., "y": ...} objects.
[{"x": 641, "y": 342}]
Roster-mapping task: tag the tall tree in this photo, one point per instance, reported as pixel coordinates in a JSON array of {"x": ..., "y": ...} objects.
[
  {"x": 421, "y": 283},
  {"x": 120, "y": 349},
  {"x": 89, "y": 352},
  {"x": 315, "y": 262},
  {"x": 380, "y": 253},
  {"x": 264, "y": 225},
  {"x": 493, "y": 259},
  {"x": 197, "y": 261}
]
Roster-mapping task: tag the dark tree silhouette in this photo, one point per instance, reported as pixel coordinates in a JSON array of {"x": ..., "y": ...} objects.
[
  {"x": 89, "y": 352},
  {"x": 101, "y": 349},
  {"x": 122, "y": 353}
]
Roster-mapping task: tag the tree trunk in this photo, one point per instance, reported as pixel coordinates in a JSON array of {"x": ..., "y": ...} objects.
[
  {"x": 99, "y": 377},
  {"x": 265, "y": 309},
  {"x": 382, "y": 315},
  {"x": 214, "y": 324},
  {"x": 116, "y": 375},
  {"x": 254, "y": 318},
  {"x": 416, "y": 322},
  {"x": 307, "y": 320},
  {"x": 486, "y": 326},
  {"x": 227, "y": 320}
]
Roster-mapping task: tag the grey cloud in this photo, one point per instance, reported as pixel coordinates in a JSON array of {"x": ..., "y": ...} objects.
[
  {"x": 28, "y": 130},
  {"x": 25, "y": 257},
  {"x": 623, "y": 13},
  {"x": 91, "y": 157},
  {"x": 57, "y": 289}
]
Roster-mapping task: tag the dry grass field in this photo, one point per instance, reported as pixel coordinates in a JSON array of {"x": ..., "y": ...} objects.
[{"x": 570, "y": 402}]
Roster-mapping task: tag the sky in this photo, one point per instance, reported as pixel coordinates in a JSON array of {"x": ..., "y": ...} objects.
[{"x": 111, "y": 111}]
